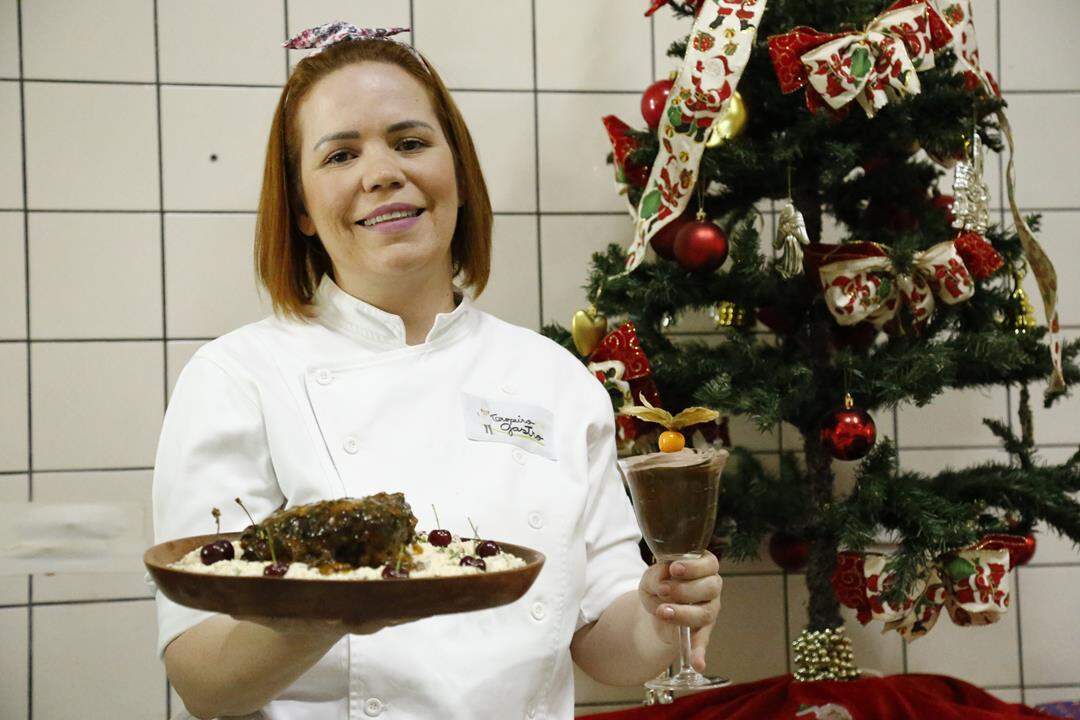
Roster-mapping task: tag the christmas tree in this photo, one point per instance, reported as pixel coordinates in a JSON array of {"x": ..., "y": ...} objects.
[{"x": 853, "y": 110}]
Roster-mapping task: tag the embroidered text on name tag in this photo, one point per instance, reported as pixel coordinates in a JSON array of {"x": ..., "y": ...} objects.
[{"x": 529, "y": 427}]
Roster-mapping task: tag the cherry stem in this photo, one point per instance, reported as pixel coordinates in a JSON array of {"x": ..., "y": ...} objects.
[
  {"x": 437, "y": 525},
  {"x": 475, "y": 532},
  {"x": 266, "y": 532},
  {"x": 217, "y": 519}
]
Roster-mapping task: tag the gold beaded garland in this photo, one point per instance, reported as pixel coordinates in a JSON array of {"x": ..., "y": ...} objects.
[{"x": 824, "y": 655}]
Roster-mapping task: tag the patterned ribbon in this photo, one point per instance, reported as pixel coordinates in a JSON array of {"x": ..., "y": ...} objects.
[
  {"x": 620, "y": 360},
  {"x": 958, "y": 13},
  {"x": 972, "y": 585},
  {"x": 721, "y": 40},
  {"x": 871, "y": 67},
  {"x": 320, "y": 37},
  {"x": 860, "y": 282}
]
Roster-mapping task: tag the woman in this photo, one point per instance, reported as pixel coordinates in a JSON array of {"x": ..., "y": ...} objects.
[{"x": 372, "y": 203}]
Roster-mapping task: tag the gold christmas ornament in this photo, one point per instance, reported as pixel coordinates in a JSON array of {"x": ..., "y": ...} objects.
[
  {"x": 588, "y": 328},
  {"x": 729, "y": 123},
  {"x": 728, "y": 314},
  {"x": 1025, "y": 319},
  {"x": 824, "y": 655}
]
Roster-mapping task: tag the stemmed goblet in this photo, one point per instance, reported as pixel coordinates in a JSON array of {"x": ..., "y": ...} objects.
[{"x": 675, "y": 497}]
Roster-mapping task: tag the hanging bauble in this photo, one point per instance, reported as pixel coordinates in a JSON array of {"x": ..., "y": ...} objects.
[
  {"x": 944, "y": 203},
  {"x": 727, "y": 314},
  {"x": 979, "y": 256},
  {"x": 701, "y": 246},
  {"x": 730, "y": 122},
  {"x": 588, "y": 328},
  {"x": 1021, "y": 547},
  {"x": 790, "y": 552},
  {"x": 1022, "y": 555},
  {"x": 663, "y": 242},
  {"x": 848, "y": 433},
  {"x": 653, "y": 101}
]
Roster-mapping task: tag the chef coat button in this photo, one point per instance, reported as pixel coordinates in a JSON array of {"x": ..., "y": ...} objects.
[
  {"x": 519, "y": 456},
  {"x": 324, "y": 376},
  {"x": 509, "y": 388},
  {"x": 373, "y": 707},
  {"x": 538, "y": 611},
  {"x": 351, "y": 445},
  {"x": 535, "y": 521}
]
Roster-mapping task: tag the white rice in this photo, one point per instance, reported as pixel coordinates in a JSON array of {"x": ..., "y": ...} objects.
[{"x": 431, "y": 561}]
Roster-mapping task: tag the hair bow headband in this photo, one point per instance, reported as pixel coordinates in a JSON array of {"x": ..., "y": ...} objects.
[{"x": 321, "y": 37}]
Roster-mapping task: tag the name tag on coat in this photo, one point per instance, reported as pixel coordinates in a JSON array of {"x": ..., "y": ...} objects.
[{"x": 529, "y": 427}]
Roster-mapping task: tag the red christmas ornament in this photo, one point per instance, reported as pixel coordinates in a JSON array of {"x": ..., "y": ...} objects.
[
  {"x": 848, "y": 433},
  {"x": 1024, "y": 554},
  {"x": 653, "y": 101},
  {"x": 700, "y": 246},
  {"x": 789, "y": 551},
  {"x": 663, "y": 242},
  {"x": 979, "y": 256},
  {"x": 1021, "y": 547},
  {"x": 944, "y": 203}
]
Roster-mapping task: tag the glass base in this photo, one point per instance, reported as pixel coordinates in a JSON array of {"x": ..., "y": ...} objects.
[{"x": 686, "y": 680}]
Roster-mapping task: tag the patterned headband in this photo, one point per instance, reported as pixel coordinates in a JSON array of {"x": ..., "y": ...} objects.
[{"x": 321, "y": 37}]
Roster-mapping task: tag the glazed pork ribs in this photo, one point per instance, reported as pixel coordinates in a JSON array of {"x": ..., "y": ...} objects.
[{"x": 332, "y": 534}]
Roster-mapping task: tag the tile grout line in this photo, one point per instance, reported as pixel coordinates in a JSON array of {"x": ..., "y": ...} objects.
[
  {"x": 536, "y": 170},
  {"x": 161, "y": 250},
  {"x": 29, "y": 366}
]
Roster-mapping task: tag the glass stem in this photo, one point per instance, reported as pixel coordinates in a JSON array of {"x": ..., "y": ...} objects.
[{"x": 684, "y": 651}]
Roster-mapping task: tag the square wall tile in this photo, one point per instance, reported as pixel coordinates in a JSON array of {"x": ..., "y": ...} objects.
[
  {"x": 210, "y": 280},
  {"x": 14, "y": 662},
  {"x": 11, "y": 174},
  {"x": 305, "y": 14},
  {"x": 13, "y": 587},
  {"x": 96, "y": 405},
  {"x": 13, "y": 289},
  {"x": 214, "y": 144},
  {"x": 503, "y": 129},
  {"x": 747, "y": 642},
  {"x": 986, "y": 32},
  {"x": 981, "y": 655},
  {"x": 95, "y": 275},
  {"x": 567, "y": 245},
  {"x": 1049, "y": 608},
  {"x": 1039, "y": 49},
  {"x": 124, "y": 486},
  {"x": 9, "y": 38},
  {"x": 177, "y": 354},
  {"x": 954, "y": 417},
  {"x": 574, "y": 173},
  {"x": 667, "y": 28},
  {"x": 874, "y": 651},
  {"x": 15, "y": 449},
  {"x": 199, "y": 41},
  {"x": 103, "y": 40},
  {"x": 513, "y": 289},
  {"x": 1043, "y": 127},
  {"x": 70, "y": 679},
  {"x": 96, "y": 163},
  {"x": 466, "y": 39},
  {"x": 587, "y": 690},
  {"x": 595, "y": 45}
]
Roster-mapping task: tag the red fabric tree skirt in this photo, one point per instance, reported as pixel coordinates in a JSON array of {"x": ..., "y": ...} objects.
[{"x": 897, "y": 697}]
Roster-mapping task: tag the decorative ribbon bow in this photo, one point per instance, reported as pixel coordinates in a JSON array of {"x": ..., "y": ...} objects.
[
  {"x": 870, "y": 66},
  {"x": 619, "y": 359},
  {"x": 972, "y": 585},
  {"x": 321, "y": 37},
  {"x": 861, "y": 283}
]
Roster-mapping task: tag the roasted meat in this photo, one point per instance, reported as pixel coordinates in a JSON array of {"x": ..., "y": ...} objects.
[{"x": 335, "y": 534}]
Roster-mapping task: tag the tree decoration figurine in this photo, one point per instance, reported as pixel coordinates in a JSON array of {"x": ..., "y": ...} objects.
[
  {"x": 790, "y": 239},
  {"x": 970, "y": 208}
]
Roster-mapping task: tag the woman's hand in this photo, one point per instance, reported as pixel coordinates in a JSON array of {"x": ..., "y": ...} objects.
[{"x": 684, "y": 592}]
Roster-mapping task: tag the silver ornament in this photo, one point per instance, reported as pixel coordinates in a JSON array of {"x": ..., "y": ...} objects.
[
  {"x": 970, "y": 208},
  {"x": 791, "y": 235}
]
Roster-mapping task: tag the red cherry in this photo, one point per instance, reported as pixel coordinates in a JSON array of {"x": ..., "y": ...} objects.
[
  {"x": 470, "y": 561},
  {"x": 440, "y": 538},
  {"x": 395, "y": 573},
  {"x": 653, "y": 101},
  {"x": 701, "y": 246},
  {"x": 215, "y": 551},
  {"x": 487, "y": 548},
  {"x": 277, "y": 569}
]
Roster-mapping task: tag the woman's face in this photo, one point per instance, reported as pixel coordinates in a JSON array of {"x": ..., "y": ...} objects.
[{"x": 370, "y": 139}]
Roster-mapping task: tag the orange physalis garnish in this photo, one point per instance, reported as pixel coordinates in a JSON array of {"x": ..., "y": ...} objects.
[{"x": 672, "y": 440}]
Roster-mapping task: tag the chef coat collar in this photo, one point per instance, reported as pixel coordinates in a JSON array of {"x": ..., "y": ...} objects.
[{"x": 373, "y": 326}]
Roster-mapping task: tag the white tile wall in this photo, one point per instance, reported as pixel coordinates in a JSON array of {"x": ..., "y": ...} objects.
[{"x": 142, "y": 184}]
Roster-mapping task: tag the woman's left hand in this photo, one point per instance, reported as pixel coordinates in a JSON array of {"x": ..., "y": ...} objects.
[{"x": 684, "y": 592}]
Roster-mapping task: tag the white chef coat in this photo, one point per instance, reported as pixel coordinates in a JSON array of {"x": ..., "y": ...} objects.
[{"x": 287, "y": 412}]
